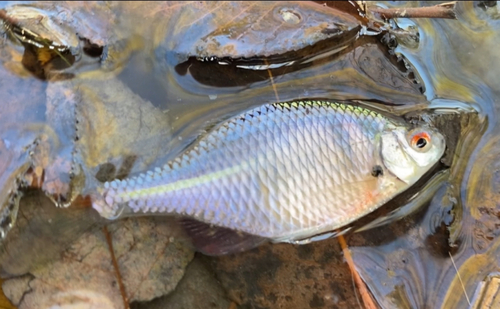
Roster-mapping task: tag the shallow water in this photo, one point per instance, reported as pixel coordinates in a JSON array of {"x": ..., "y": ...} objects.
[
  {"x": 457, "y": 59},
  {"x": 152, "y": 96}
]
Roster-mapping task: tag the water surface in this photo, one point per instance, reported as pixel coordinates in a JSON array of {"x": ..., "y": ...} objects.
[{"x": 154, "y": 88}]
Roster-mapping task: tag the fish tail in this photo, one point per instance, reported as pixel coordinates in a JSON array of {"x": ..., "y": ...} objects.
[
  {"x": 96, "y": 190},
  {"x": 103, "y": 208}
]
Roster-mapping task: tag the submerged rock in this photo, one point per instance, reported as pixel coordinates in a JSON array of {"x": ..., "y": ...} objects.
[
  {"x": 150, "y": 263},
  {"x": 288, "y": 276},
  {"x": 198, "y": 289}
]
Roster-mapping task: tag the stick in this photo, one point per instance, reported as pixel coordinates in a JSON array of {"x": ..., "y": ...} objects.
[
  {"x": 365, "y": 295},
  {"x": 459, "y": 278},
  {"x": 117, "y": 269},
  {"x": 272, "y": 82},
  {"x": 7, "y": 19},
  {"x": 445, "y": 10}
]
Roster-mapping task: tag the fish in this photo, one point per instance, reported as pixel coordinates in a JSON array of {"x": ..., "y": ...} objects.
[{"x": 289, "y": 172}]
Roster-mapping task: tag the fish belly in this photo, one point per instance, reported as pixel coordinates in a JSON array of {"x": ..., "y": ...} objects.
[{"x": 280, "y": 171}]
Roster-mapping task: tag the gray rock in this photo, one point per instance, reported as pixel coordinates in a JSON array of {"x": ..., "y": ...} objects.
[
  {"x": 15, "y": 289},
  {"x": 150, "y": 260},
  {"x": 198, "y": 289}
]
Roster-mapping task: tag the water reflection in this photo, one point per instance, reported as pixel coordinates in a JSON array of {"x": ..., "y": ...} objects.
[
  {"x": 142, "y": 99},
  {"x": 457, "y": 234}
]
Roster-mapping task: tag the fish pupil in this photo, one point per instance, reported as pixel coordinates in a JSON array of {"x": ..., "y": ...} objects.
[
  {"x": 377, "y": 171},
  {"x": 421, "y": 142}
]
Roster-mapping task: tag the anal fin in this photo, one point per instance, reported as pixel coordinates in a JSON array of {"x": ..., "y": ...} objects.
[{"x": 215, "y": 240}]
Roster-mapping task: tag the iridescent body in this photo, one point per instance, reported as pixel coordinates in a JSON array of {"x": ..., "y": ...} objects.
[{"x": 285, "y": 171}]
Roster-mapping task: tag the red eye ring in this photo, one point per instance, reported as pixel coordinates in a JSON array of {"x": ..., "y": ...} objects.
[{"x": 420, "y": 140}]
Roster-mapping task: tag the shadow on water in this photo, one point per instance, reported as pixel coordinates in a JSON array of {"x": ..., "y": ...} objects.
[{"x": 120, "y": 102}]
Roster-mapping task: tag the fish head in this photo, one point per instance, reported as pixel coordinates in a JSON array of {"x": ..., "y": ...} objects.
[{"x": 409, "y": 154}]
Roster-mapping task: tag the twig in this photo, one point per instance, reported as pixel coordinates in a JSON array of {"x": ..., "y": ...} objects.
[
  {"x": 365, "y": 295},
  {"x": 444, "y": 10},
  {"x": 233, "y": 305},
  {"x": 115, "y": 266},
  {"x": 355, "y": 289},
  {"x": 459, "y": 278},
  {"x": 7, "y": 19},
  {"x": 272, "y": 81}
]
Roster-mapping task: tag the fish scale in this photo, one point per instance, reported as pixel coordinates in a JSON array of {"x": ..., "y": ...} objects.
[{"x": 281, "y": 171}]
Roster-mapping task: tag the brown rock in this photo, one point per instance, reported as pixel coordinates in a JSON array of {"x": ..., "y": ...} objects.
[{"x": 287, "y": 276}]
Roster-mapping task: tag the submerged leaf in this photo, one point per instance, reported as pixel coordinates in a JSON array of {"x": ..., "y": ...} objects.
[
  {"x": 41, "y": 233},
  {"x": 247, "y": 29},
  {"x": 150, "y": 261}
]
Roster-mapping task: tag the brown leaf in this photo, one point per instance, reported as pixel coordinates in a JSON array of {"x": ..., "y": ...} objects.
[
  {"x": 41, "y": 233},
  {"x": 63, "y": 22},
  {"x": 151, "y": 264},
  {"x": 202, "y": 29},
  {"x": 21, "y": 124},
  {"x": 246, "y": 29}
]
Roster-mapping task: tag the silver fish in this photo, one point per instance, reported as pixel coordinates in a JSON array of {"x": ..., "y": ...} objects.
[{"x": 285, "y": 171}]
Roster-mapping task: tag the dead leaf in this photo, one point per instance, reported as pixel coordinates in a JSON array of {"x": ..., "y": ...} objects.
[
  {"x": 41, "y": 233},
  {"x": 246, "y": 29},
  {"x": 151, "y": 264}
]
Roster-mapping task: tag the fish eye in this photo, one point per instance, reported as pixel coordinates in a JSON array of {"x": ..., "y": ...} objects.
[{"x": 420, "y": 141}]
